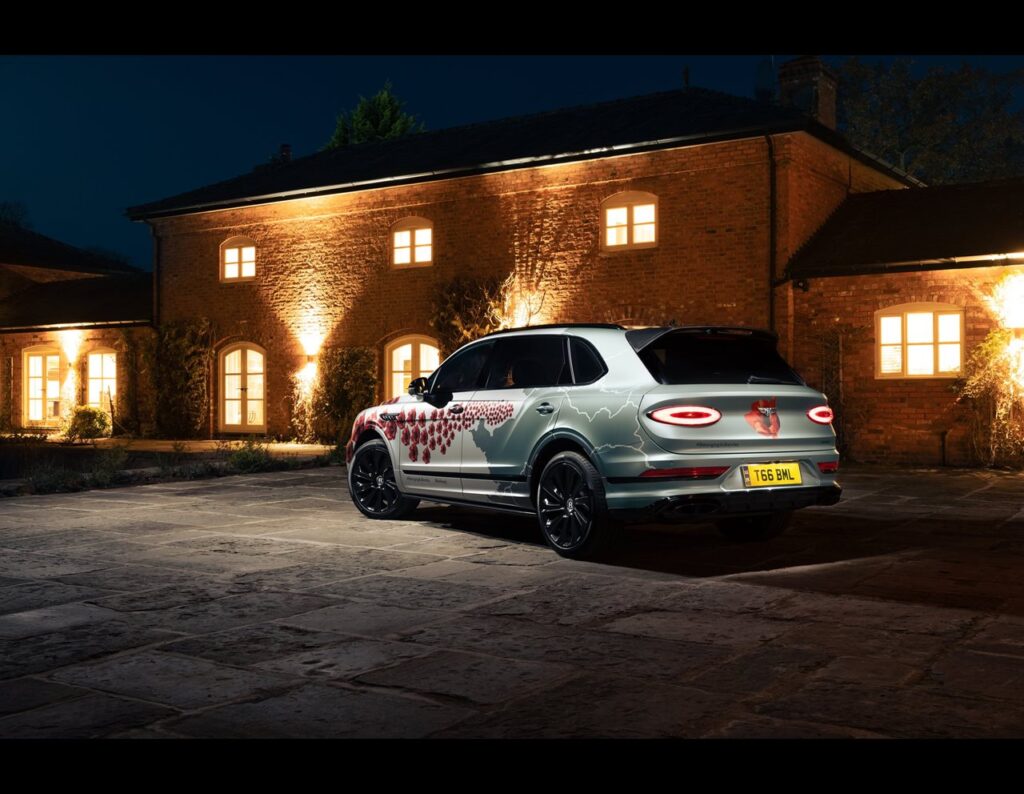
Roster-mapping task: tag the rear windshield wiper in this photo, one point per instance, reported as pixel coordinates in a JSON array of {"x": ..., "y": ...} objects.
[{"x": 760, "y": 379}]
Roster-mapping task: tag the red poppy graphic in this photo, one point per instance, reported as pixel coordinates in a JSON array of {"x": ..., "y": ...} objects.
[{"x": 763, "y": 416}]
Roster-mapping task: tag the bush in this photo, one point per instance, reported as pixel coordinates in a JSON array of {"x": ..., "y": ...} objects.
[
  {"x": 47, "y": 476},
  {"x": 86, "y": 423},
  {"x": 251, "y": 456},
  {"x": 345, "y": 385},
  {"x": 183, "y": 352},
  {"x": 107, "y": 467}
]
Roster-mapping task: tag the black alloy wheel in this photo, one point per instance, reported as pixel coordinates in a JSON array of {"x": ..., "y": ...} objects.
[
  {"x": 571, "y": 507},
  {"x": 371, "y": 480}
]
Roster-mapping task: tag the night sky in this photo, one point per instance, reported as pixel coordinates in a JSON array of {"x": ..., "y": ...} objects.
[{"x": 82, "y": 138}]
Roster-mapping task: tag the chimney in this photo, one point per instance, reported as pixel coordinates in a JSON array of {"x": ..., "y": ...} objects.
[
  {"x": 807, "y": 84},
  {"x": 286, "y": 153}
]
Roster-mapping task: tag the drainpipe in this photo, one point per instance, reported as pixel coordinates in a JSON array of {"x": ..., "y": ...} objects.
[{"x": 771, "y": 231}]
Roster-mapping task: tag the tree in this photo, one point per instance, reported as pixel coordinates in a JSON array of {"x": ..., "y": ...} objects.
[
  {"x": 14, "y": 213},
  {"x": 948, "y": 125},
  {"x": 379, "y": 118}
]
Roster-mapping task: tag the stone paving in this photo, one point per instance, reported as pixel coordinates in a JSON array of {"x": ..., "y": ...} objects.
[{"x": 266, "y": 606}]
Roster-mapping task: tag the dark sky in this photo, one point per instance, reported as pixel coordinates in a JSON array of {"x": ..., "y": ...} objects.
[{"x": 84, "y": 137}]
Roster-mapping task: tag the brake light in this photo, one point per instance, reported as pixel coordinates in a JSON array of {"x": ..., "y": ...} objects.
[
  {"x": 828, "y": 466},
  {"x": 691, "y": 473},
  {"x": 823, "y": 415},
  {"x": 686, "y": 415}
]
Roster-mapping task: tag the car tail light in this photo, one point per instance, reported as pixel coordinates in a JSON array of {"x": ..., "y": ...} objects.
[
  {"x": 828, "y": 466},
  {"x": 686, "y": 415},
  {"x": 823, "y": 415},
  {"x": 690, "y": 473}
]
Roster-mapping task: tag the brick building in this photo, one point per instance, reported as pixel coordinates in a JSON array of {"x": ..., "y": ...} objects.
[
  {"x": 689, "y": 206},
  {"x": 71, "y": 322}
]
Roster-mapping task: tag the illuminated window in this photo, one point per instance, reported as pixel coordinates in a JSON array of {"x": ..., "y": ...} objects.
[
  {"x": 407, "y": 358},
  {"x": 42, "y": 376},
  {"x": 919, "y": 340},
  {"x": 238, "y": 259},
  {"x": 243, "y": 389},
  {"x": 412, "y": 243},
  {"x": 101, "y": 379},
  {"x": 629, "y": 220}
]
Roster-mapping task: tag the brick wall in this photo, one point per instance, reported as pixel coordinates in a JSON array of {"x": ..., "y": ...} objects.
[
  {"x": 897, "y": 421},
  {"x": 322, "y": 262}
]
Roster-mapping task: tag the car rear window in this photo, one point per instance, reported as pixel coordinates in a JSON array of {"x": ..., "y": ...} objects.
[{"x": 679, "y": 358}]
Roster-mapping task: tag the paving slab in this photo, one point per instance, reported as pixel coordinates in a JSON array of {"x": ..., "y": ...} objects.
[{"x": 89, "y": 717}]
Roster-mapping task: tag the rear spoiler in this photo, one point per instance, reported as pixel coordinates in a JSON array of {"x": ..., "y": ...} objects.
[{"x": 639, "y": 338}]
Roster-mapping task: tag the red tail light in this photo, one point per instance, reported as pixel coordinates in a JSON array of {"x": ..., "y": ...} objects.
[
  {"x": 692, "y": 473},
  {"x": 823, "y": 415},
  {"x": 686, "y": 415},
  {"x": 828, "y": 466}
]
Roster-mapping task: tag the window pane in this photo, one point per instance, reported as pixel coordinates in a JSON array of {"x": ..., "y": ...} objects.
[
  {"x": 399, "y": 384},
  {"x": 233, "y": 362},
  {"x": 585, "y": 363},
  {"x": 253, "y": 361},
  {"x": 35, "y": 388},
  {"x": 109, "y": 365},
  {"x": 461, "y": 372},
  {"x": 35, "y": 366},
  {"x": 430, "y": 359},
  {"x": 949, "y": 328},
  {"x": 423, "y": 253},
  {"x": 949, "y": 358},
  {"x": 53, "y": 367},
  {"x": 255, "y": 384},
  {"x": 254, "y": 409},
  {"x": 424, "y": 236},
  {"x": 231, "y": 271},
  {"x": 402, "y": 256},
  {"x": 892, "y": 359},
  {"x": 232, "y": 387},
  {"x": 616, "y": 235},
  {"x": 403, "y": 239},
  {"x": 249, "y": 254},
  {"x": 232, "y": 412},
  {"x": 94, "y": 392},
  {"x": 920, "y": 359},
  {"x": 248, "y": 269},
  {"x": 35, "y": 410},
  {"x": 401, "y": 358},
  {"x": 528, "y": 361},
  {"x": 892, "y": 330},
  {"x": 616, "y": 216},
  {"x": 95, "y": 365},
  {"x": 52, "y": 389},
  {"x": 644, "y": 233},
  {"x": 230, "y": 255},
  {"x": 643, "y": 213},
  {"x": 920, "y": 327}
]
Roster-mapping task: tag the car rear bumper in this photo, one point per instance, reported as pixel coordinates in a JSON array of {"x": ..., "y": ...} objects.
[{"x": 695, "y": 507}]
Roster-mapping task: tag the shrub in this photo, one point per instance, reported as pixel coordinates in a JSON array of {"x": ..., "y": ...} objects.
[
  {"x": 182, "y": 354},
  {"x": 344, "y": 386},
  {"x": 251, "y": 456},
  {"x": 107, "y": 466},
  {"x": 989, "y": 388},
  {"x": 86, "y": 423},
  {"x": 48, "y": 476},
  {"x": 465, "y": 309}
]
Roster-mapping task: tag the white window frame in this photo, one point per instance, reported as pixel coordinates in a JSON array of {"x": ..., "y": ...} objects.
[
  {"x": 62, "y": 366},
  {"x": 628, "y": 200},
  {"x": 238, "y": 242},
  {"x": 88, "y": 377},
  {"x": 222, "y": 391},
  {"x": 411, "y": 224},
  {"x": 416, "y": 340},
  {"x": 901, "y": 311}
]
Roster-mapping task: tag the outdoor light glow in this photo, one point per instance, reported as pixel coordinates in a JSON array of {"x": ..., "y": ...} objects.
[
  {"x": 1007, "y": 301},
  {"x": 71, "y": 342},
  {"x": 523, "y": 308},
  {"x": 311, "y": 341},
  {"x": 305, "y": 378}
]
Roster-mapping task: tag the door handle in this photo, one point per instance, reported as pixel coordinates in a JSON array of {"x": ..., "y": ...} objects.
[
  {"x": 545, "y": 408},
  {"x": 455, "y": 409}
]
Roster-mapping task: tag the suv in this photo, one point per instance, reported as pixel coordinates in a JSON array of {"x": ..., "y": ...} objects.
[{"x": 589, "y": 426}]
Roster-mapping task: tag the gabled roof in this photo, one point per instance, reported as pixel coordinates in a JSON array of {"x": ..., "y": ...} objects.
[
  {"x": 656, "y": 121},
  {"x": 118, "y": 299},
  {"x": 917, "y": 229},
  {"x": 19, "y": 246}
]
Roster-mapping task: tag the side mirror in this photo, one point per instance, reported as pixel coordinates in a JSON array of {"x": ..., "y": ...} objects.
[
  {"x": 439, "y": 398},
  {"x": 418, "y": 386}
]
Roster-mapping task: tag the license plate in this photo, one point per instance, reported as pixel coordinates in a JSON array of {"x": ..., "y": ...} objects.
[{"x": 766, "y": 475}]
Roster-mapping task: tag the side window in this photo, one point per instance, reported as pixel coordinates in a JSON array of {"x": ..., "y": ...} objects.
[
  {"x": 587, "y": 365},
  {"x": 523, "y": 362},
  {"x": 462, "y": 371}
]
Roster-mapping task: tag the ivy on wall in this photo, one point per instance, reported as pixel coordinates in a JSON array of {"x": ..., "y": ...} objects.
[
  {"x": 344, "y": 385},
  {"x": 181, "y": 364},
  {"x": 991, "y": 391},
  {"x": 467, "y": 308}
]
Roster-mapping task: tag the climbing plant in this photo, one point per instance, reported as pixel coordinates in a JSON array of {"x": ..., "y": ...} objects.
[
  {"x": 325, "y": 406},
  {"x": 467, "y": 308},
  {"x": 991, "y": 388},
  {"x": 181, "y": 364}
]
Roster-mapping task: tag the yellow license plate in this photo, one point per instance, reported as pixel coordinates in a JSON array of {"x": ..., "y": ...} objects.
[{"x": 765, "y": 475}]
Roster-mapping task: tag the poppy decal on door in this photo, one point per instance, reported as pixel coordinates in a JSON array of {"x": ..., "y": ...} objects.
[{"x": 763, "y": 416}]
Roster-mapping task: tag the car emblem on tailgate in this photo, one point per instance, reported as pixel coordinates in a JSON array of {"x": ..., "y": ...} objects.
[{"x": 763, "y": 416}]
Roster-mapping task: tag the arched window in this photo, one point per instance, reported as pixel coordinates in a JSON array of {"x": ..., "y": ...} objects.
[
  {"x": 406, "y": 358},
  {"x": 412, "y": 243},
  {"x": 243, "y": 396},
  {"x": 237, "y": 259},
  {"x": 629, "y": 220},
  {"x": 42, "y": 375},
  {"x": 101, "y": 378},
  {"x": 919, "y": 340}
]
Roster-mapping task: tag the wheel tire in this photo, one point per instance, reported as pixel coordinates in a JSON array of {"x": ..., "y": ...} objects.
[
  {"x": 372, "y": 484},
  {"x": 584, "y": 530},
  {"x": 753, "y": 529}
]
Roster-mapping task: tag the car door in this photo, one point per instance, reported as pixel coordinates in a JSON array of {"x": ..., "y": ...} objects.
[
  {"x": 428, "y": 439},
  {"x": 516, "y": 405}
]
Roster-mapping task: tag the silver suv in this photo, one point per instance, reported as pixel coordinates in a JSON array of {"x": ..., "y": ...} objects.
[{"x": 588, "y": 427}]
